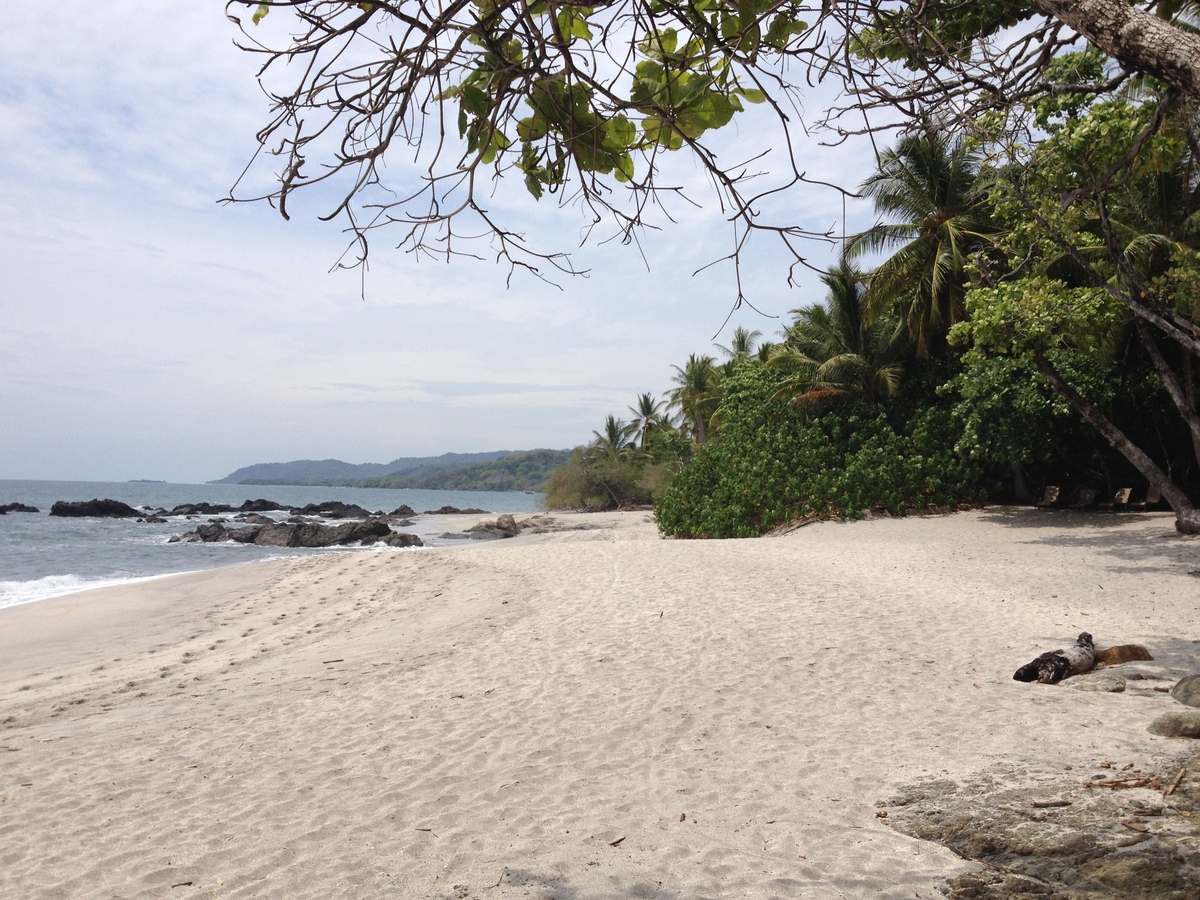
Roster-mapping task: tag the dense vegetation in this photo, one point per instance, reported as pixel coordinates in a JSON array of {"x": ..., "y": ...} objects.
[{"x": 1033, "y": 320}]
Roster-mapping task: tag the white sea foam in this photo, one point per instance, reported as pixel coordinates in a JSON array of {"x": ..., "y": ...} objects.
[{"x": 14, "y": 593}]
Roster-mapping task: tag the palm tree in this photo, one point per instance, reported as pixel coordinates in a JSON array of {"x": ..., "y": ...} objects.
[
  {"x": 742, "y": 345},
  {"x": 696, "y": 394},
  {"x": 833, "y": 349},
  {"x": 929, "y": 181},
  {"x": 614, "y": 442},
  {"x": 647, "y": 415}
]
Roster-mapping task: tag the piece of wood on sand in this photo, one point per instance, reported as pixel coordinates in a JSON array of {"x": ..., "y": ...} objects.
[
  {"x": 1122, "y": 653},
  {"x": 1055, "y": 665}
]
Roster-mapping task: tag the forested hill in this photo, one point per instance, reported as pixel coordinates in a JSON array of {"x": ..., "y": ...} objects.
[
  {"x": 335, "y": 472},
  {"x": 522, "y": 471}
]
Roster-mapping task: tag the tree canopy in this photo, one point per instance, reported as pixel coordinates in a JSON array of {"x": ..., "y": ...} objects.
[{"x": 408, "y": 110}]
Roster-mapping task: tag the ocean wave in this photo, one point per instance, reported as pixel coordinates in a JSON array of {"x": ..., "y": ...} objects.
[{"x": 15, "y": 593}]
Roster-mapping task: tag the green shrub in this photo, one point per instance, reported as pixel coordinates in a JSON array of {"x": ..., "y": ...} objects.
[{"x": 776, "y": 462}]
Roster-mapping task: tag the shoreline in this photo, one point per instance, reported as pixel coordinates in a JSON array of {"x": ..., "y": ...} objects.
[
  {"x": 584, "y": 713},
  {"x": 439, "y": 523}
]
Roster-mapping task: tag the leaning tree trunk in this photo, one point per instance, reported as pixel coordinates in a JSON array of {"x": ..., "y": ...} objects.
[
  {"x": 1187, "y": 516},
  {"x": 1136, "y": 37}
]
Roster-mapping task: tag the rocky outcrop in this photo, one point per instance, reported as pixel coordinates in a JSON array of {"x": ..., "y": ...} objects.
[
  {"x": 403, "y": 511},
  {"x": 253, "y": 519},
  {"x": 107, "y": 509},
  {"x": 302, "y": 534},
  {"x": 17, "y": 507},
  {"x": 200, "y": 509},
  {"x": 504, "y": 527},
  {"x": 1061, "y": 835},
  {"x": 334, "y": 509},
  {"x": 454, "y": 511},
  {"x": 261, "y": 506}
]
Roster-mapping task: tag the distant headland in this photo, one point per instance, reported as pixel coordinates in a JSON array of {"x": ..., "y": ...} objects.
[{"x": 499, "y": 470}]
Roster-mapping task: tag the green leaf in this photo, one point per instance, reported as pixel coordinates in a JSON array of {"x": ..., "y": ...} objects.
[
  {"x": 620, "y": 133},
  {"x": 475, "y": 101},
  {"x": 533, "y": 128},
  {"x": 623, "y": 170},
  {"x": 533, "y": 186},
  {"x": 261, "y": 12},
  {"x": 751, "y": 95}
]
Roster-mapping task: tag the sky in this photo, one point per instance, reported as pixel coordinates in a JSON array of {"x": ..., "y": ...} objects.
[{"x": 148, "y": 331}]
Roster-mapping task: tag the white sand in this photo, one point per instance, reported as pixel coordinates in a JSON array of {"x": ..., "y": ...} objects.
[{"x": 592, "y": 714}]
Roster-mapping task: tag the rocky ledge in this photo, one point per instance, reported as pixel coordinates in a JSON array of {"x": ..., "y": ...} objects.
[
  {"x": 303, "y": 534},
  {"x": 16, "y": 507},
  {"x": 1115, "y": 832}
]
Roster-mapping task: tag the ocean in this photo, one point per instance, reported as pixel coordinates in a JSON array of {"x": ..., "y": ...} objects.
[{"x": 47, "y": 556}]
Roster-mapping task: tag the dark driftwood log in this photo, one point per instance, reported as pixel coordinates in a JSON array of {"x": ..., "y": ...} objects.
[{"x": 1054, "y": 666}]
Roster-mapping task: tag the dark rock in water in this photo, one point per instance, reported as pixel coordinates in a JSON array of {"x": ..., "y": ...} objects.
[
  {"x": 1187, "y": 690},
  {"x": 454, "y": 511},
  {"x": 396, "y": 539},
  {"x": 17, "y": 507},
  {"x": 201, "y": 509},
  {"x": 261, "y": 506},
  {"x": 213, "y": 531},
  {"x": 108, "y": 509},
  {"x": 253, "y": 519},
  {"x": 403, "y": 510},
  {"x": 1177, "y": 723},
  {"x": 304, "y": 534},
  {"x": 333, "y": 509},
  {"x": 153, "y": 520},
  {"x": 401, "y": 523},
  {"x": 1054, "y": 666}
]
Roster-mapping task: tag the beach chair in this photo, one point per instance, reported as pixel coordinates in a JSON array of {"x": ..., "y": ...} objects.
[
  {"x": 1120, "y": 500},
  {"x": 1085, "y": 498},
  {"x": 1049, "y": 498},
  {"x": 1153, "y": 498}
]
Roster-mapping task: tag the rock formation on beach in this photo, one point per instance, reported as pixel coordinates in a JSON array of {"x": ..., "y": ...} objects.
[{"x": 302, "y": 534}]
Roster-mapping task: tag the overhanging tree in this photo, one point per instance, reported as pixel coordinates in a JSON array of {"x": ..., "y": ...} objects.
[{"x": 407, "y": 110}]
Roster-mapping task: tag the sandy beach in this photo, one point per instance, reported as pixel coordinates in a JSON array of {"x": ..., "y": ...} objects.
[{"x": 594, "y": 713}]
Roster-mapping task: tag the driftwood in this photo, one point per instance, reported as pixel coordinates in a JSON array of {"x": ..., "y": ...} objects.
[
  {"x": 1055, "y": 665},
  {"x": 1122, "y": 653}
]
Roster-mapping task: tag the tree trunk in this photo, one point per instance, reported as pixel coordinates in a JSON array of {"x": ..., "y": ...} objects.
[
  {"x": 1180, "y": 394},
  {"x": 1139, "y": 39},
  {"x": 1187, "y": 516}
]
